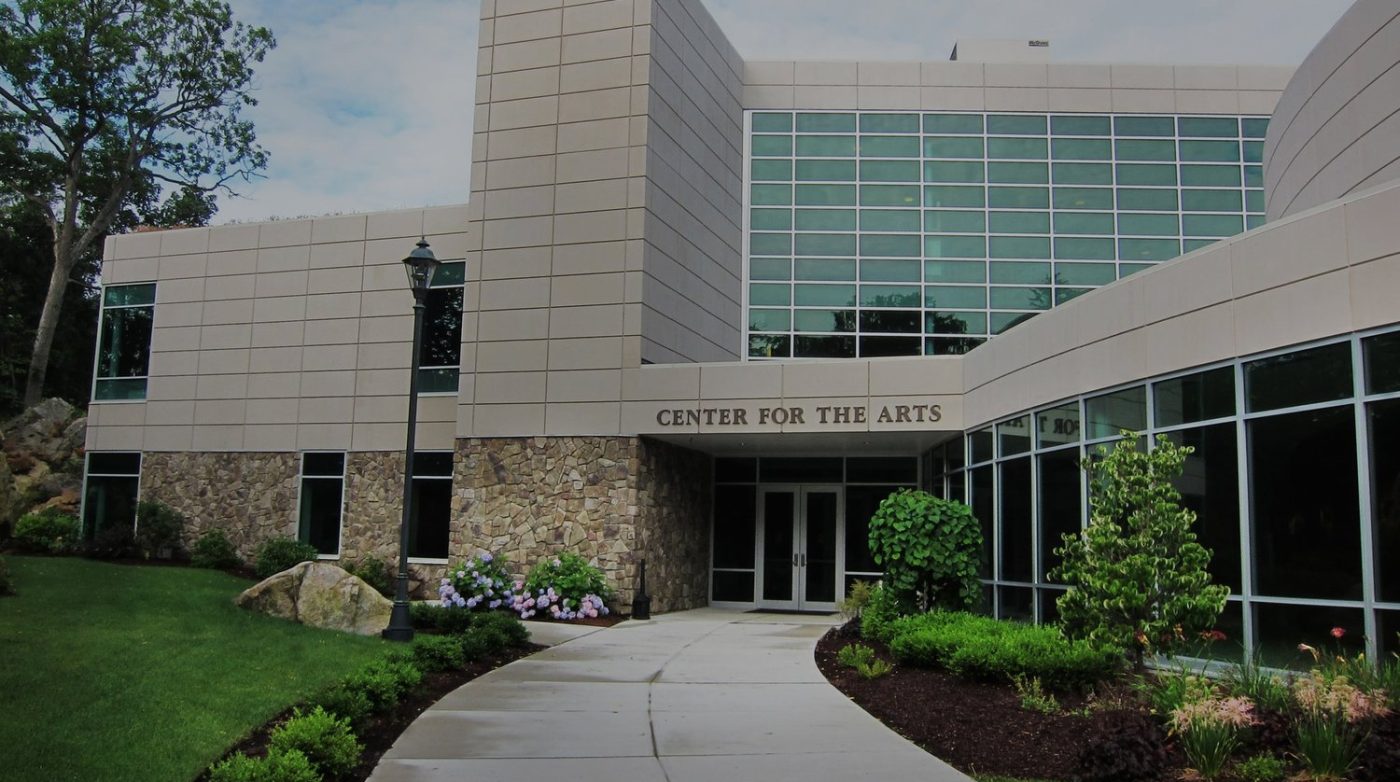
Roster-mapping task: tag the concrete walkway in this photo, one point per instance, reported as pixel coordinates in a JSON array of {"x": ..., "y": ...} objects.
[{"x": 694, "y": 696}]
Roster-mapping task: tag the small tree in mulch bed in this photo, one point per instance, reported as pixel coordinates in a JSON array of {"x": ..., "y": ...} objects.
[
  {"x": 929, "y": 548},
  {"x": 1138, "y": 578}
]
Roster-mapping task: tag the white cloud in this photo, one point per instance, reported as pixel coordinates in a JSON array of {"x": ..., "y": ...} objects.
[{"x": 367, "y": 105}]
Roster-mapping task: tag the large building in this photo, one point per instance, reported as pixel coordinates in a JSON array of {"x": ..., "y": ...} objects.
[{"x": 706, "y": 313}]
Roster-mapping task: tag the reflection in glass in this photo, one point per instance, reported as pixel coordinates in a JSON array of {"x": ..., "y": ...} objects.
[
  {"x": 1015, "y": 510},
  {"x": 1111, "y": 413},
  {"x": 1303, "y": 377},
  {"x": 1209, "y": 486},
  {"x": 1060, "y": 510}
]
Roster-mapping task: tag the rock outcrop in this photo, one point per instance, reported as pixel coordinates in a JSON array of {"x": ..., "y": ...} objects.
[
  {"x": 322, "y": 595},
  {"x": 43, "y": 460}
]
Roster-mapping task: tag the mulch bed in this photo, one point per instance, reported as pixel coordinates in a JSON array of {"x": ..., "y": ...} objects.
[
  {"x": 974, "y": 726},
  {"x": 384, "y": 729}
]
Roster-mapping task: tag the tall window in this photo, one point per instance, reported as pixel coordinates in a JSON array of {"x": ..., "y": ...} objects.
[
  {"x": 124, "y": 352},
  {"x": 322, "y": 499},
  {"x": 430, "y": 509},
  {"x": 440, "y": 357},
  {"x": 109, "y": 497}
]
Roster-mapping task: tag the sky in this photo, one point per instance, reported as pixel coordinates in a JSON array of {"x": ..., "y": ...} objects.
[{"x": 366, "y": 105}]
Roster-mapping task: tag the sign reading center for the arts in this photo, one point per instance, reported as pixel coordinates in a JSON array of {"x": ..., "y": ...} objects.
[{"x": 816, "y": 415}]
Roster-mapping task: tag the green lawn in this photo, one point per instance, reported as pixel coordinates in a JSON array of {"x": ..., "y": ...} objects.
[{"x": 116, "y": 672}]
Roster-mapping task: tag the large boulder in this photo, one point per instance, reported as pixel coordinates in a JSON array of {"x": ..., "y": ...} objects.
[
  {"x": 43, "y": 431},
  {"x": 320, "y": 594}
]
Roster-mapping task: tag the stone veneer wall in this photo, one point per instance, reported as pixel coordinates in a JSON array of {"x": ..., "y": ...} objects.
[
  {"x": 250, "y": 496},
  {"x": 613, "y": 500},
  {"x": 674, "y": 500}
]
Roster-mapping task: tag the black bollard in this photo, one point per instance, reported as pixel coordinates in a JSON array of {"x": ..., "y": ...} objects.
[{"x": 641, "y": 602}]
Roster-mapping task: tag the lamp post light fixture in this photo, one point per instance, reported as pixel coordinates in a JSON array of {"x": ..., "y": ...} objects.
[{"x": 420, "y": 265}]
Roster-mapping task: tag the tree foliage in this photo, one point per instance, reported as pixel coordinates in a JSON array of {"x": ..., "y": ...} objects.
[
  {"x": 104, "y": 104},
  {"x": 1138, "y": 578},
  {"x": 929, "y": 548}
]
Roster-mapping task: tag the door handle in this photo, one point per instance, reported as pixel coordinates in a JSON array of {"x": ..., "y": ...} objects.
[
  {"x": 794, "y": 559},
  {"x": 804, "y": 560}
]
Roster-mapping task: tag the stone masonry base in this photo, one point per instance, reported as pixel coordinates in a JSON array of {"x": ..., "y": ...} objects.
[{"x": 614, "y": 500}]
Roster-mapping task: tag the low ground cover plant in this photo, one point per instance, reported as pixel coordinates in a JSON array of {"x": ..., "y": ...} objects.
[
  {"x": 290, "y": 766},
  {"x": 277, "y": 554},
  {"x": 49, "y": 531},
  {"x": 979, "y": 647}
]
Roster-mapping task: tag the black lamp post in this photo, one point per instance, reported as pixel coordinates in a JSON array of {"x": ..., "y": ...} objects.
[{"x": 420, "y": 265}]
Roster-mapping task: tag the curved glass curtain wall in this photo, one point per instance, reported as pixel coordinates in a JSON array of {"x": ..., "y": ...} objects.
[{"x": 1295, "y": 481}]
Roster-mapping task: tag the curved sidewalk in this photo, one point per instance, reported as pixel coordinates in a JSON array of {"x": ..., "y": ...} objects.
[{"x": 694, "y": 696}]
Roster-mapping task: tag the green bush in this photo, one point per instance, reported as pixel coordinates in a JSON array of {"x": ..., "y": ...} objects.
[
  {"x": 374, "y": 572},
  {"x": 433, "y": 617},
  {"x": 325, "y": 739},
  {"x": 474, "y": 646},
  {"x": 434, "y": 653},
  {"x": 1261, "y": 768},
  {"x": 49, "y": 531},
  {"x": 278, "y": 554},
  {"x": 213, "y": 550},
  {"x": 1138, "y": 579},
  {"x": 117, "y": 541},
  {"x": 384, "y": 682},
  {"x": 289, "y": 766},
  {"x": 982, "y": 648},
  {"x": 344, "y": 700},
  {"x": 878, "y": 616},
  {"x": 158, "y": 529},
  {"x": 564, "y": 587},
  {"x": 930, "y": 549},
  {"x": 7, "y": 583},
  {"x": 855, "y": 655},
  {"x": 504, "y": 630}
]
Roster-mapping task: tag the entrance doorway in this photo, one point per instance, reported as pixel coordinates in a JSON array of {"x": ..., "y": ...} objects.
[{"x": 799, "y": 530}]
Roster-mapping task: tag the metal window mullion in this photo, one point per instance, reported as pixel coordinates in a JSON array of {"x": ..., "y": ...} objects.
[
  {"x": 1242, "y": 477},
  {"x": 1364, "y": 504}
]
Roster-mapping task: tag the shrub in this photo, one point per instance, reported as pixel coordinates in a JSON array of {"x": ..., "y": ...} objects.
[
  {"x": 505, "y": 630},
  {"x": 290, "y": 766},
  {"x": 1138, "y": 578},
  {"x": 325, "y": 739},
  {"x": 434, "y": 653},
  {"x": 481, "y": 582},
  {"x": 930, "y": 549},
  {"x": 384, "y": 682},
  {"x": 877, "y": 620},
  {"x": 158, "y": 528},
  {"x": 1122, "y": 746},
  {"x": 345, "y": 700},
  {"x": 49, "y": 531},
  {"x": 433, "y": 617},
  {"x": 855, "y": 655},
  {"x": 277, "y": 554},
  {"x": 1332, "y": 723},
  {"x": 374, "y": 572},
  {"x": 7, "y": 584},
  {"x": 114, "y": 542},
  {"x": 1261, "y": 768},
  {"x": 565, "y": 587},
  {"x": 979, "y": 647},
  {"x": 213, "y": 550},
  {"x": 475, "y": 646}
]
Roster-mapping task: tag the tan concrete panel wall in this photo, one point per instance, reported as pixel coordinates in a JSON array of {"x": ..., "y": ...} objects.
[
  {"x": 279, "y": 336},
  {"x": 976, "y": 86},
  {"x": 1317, "y": 274},
  {"x": 1337, "y": 128},
  {"x": 692, "y": 269}
]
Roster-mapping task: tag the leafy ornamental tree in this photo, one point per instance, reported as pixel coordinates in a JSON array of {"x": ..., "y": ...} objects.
[
  {"x": 929, "y": 548},
  {"x": 1137, "y": 576},
  {"x": 102, "y": 102}
]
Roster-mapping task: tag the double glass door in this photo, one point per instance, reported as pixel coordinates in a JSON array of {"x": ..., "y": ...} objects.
[{"x": 798, "y": 537}]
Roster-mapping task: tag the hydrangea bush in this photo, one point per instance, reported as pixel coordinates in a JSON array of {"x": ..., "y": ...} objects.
[
  {"x": 565, "y": 587},
  {"x": 481, "y": 582}
]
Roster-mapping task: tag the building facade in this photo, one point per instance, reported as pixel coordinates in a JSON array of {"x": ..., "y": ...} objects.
[{"x": 706, "y": 313}]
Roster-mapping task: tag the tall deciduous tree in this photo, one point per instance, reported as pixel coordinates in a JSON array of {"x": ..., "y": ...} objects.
[{"x": 103, "y": 102}]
